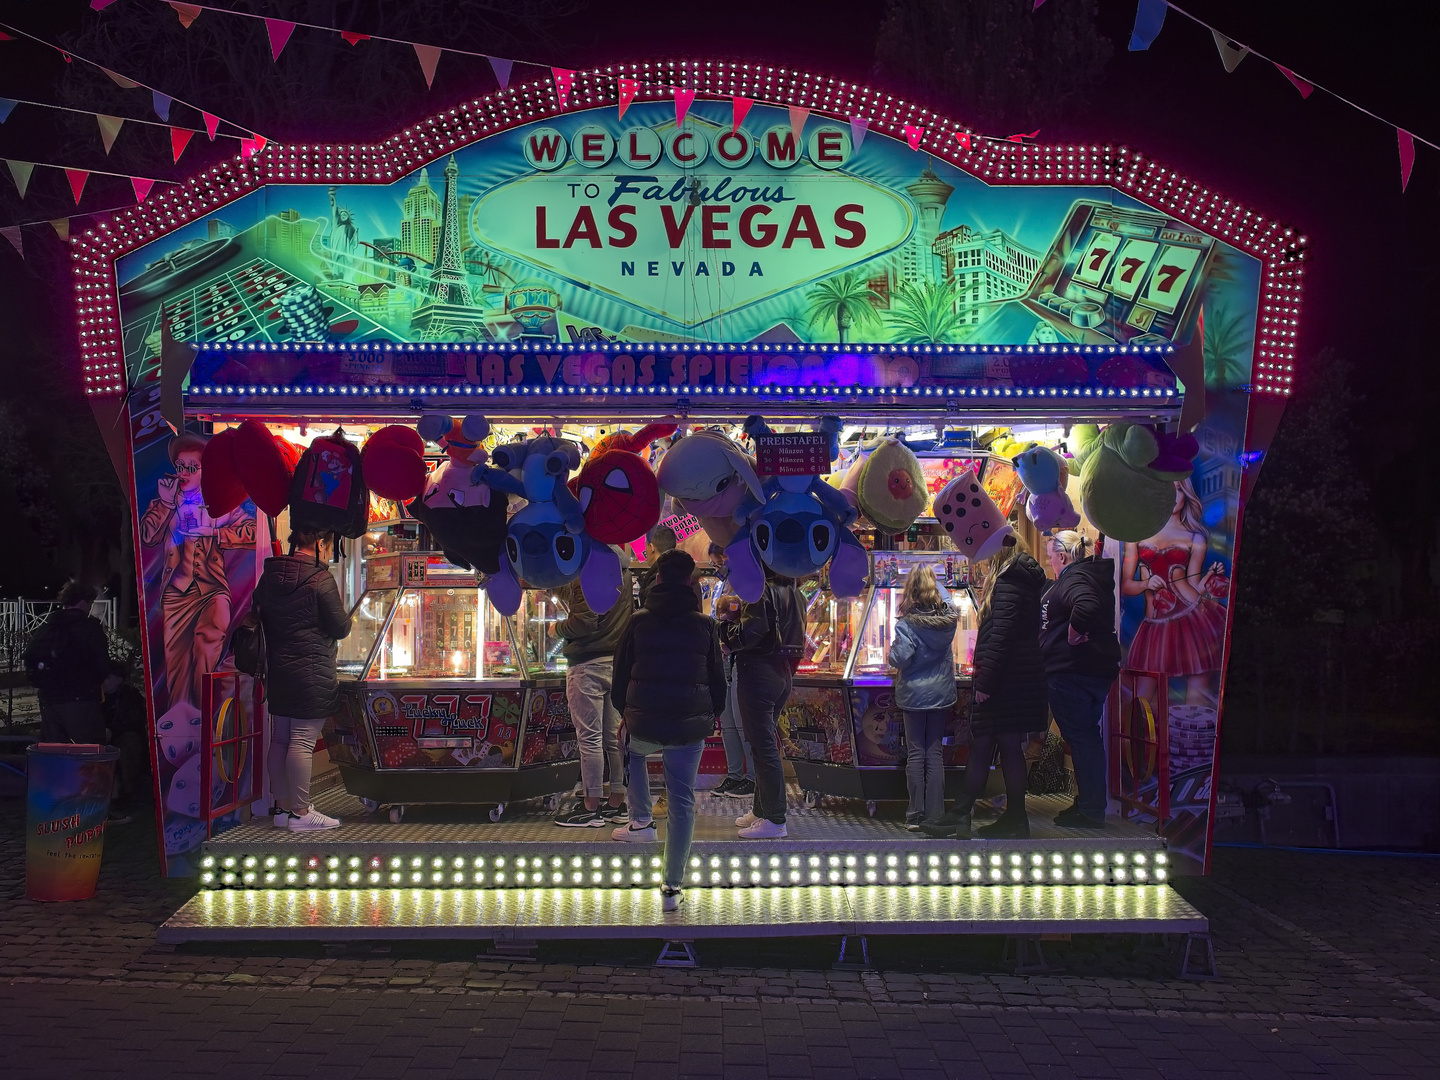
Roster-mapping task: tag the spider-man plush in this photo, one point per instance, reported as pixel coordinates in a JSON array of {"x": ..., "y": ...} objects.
[{"x": 616, "y": 487}]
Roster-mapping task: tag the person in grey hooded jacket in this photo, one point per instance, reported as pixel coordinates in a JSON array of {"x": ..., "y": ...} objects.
[{"x": 923, "y": 656}]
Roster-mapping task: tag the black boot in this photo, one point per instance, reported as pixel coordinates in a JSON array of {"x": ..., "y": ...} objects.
[
  {"x": 1013, "y": 824},
  {"x": 954, "y": 825}
]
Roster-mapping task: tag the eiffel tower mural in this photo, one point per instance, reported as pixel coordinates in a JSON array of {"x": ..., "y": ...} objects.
[{"x": 449, "y": 315}]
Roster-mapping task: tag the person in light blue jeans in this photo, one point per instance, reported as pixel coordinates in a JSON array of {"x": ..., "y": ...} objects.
[
  {"x": 923, "y": 656},
  {"x": 669, "y": 685}
]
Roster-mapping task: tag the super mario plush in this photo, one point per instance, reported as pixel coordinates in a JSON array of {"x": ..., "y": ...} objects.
[
  {"x": 617, "y": 489},
  {"x": 1044, "y": 473},
  {"x": 465, "y": 517},
  {"x": 1127, "y": 477},
  {"x": 799, "y": 526},
  {"x": 546, "y": 545},
  {"x": 886, "y": 484},
  {"x": 707, "y": 475}
]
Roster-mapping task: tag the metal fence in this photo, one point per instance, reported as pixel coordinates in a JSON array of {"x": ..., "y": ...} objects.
[{"x": 21, "y": 618}]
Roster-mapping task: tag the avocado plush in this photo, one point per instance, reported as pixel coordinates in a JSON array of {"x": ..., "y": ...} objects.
[
  {"x": 888, "y": 486},
  {"x": 1122, "y": 491}
]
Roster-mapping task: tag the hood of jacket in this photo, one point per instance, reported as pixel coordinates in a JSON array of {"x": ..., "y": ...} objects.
[
  {"x": 1100, "y": 573},
  {"x": 1027, "y": 573},
  {"x": 934, "y": 626},
  {"x": 667, "y": 599},
  {"x": 291, "y": 572}
]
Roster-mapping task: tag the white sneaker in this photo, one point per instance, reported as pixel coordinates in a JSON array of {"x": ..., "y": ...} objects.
[
  {"x": 763, "y": 829},
  {"x": 745, "y": 820},
  {"x": 314, "y": 821},
  {"x": 635, "y": 834},
  {"x": 670, "y": 899},
  {"x": 280, "y": 818}
]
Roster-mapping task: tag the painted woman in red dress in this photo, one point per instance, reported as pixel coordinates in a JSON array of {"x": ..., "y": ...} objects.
[{"x": 1183, "y": 632}]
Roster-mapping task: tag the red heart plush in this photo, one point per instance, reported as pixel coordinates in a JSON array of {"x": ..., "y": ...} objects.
[
  {"x": 265, "y": 465},
  {"x": 393, "y": 463},
  {"x": 220, "y": 484}
]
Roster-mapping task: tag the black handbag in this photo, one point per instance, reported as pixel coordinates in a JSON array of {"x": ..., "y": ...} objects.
[{"x": 247, "y": 643}]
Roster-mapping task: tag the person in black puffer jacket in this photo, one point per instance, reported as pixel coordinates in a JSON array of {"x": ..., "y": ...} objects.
[
  {"x": 304, "y": 618},
  {"x": 1082, "y": 658},
  {"x": 669, "y": 685},
  {"x": 1009, "y": 684}
]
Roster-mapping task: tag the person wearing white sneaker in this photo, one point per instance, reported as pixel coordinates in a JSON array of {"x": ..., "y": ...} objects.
[
  {"x": 670, "y": 686},
  {"x": 304, "y": 618}
]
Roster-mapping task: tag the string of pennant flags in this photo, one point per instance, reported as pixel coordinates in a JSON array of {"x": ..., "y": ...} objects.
[{"x": 1150, "y": 19}]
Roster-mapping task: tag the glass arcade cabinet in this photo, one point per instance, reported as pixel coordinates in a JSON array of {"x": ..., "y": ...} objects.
[{"x": 443, "y": 699}]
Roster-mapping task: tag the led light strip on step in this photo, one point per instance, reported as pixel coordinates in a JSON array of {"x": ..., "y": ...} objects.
[{"x": 281, "y": 870}]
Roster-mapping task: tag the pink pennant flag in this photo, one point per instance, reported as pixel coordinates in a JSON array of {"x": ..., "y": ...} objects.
[
  {"x": 109, "y": 129},
  {"x": 739, "y": 109},
  {"x": 1037, "y": 5},
  {"x": 248, "y": 148},
  {"x": 179, "y": 139},
  {"x": 428, "y": 56},
  {"x": 100, "y": 5},
  {"x": 212, "y": 123},
  {"x": 858, "y": 127},
  {"x": 62, "y": 227},
  {"x": 501, "y": 67},
  {"x": 798, "y": 116},
  {"x": 563, "y": 77},
  {"x": 1407, "y": 156},
  {"x": 77, "y": 178},
  {"x": 350, "y": 37},
  {"x": 913, "y": 135},
  {"x": 142, "y": 187},
  {"x": 279, "y": 31},
  {"x": 188, "y": 13},
  {"x": 964, "y": 138},
  {"x": 628, "y": 88},
  {"x": 12, "y": 233},
  {"x": 120, "y": 80},
  {"x": 1020, "y": 138},
  {"x": 683, "y": 100},
  {"x": 1300, "y": 84},
  {"x": 20, "y": 172}
]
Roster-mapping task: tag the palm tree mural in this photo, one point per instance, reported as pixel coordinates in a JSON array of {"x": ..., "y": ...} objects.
[
  {"x": 1227, "y": 346},
  {"x": 925, "y": 314},
  {"x": 847, "y": 301}
]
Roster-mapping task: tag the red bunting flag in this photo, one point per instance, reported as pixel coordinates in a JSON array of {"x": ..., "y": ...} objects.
[
  {"x": 142, "y": 187},
  {"x": 100, "y": 5},
  {"x": 627, "y": 88},
  {"x": 683, "y": 100},
  {"x": 109, "y": 129},
  {"x": 1037, "y": 5},
  {"x": 211, "y": 124},
  {"x": 964, "y": 137},
  {"x": 798, "y": 116},
  {"x": 563, "y": 77},
  {"x": 501, "y": 67},
  {"x": 1022, "y": 136},
  {"x": 1300, "y": 84},
  {"x": 179, "y": 139},
  {"x": 429, "y": 56},
  {"x": 188, "y": 13},
  {"x": 858, "y": 127},
  {"x": 350, "y": 37},
  {"x": 913, "y": 135},
  {"x": 247, "y": 149},
  {"x": 12, "y": 233},
  {"x": 260, "y": 141},
  {"x": 5, "y": 37},
  {"x": 77, "y": 178},
  {"x": 1407, "y": 156},
  {"x": 279, "y": 31},
  {"x": 739, "y": 109}
]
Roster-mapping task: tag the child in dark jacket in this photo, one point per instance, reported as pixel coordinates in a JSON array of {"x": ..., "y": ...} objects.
[
  {"x": 669, "y": 685},
  {"x": 923, "y": 655}
]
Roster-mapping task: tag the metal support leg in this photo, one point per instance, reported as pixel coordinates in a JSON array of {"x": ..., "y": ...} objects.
[
  {"x": 1197, "y": 958},
  {"x": 677, "y": 954},
  {"x": 847, "y": 961},
  {"x": 1025, "y": 951}
]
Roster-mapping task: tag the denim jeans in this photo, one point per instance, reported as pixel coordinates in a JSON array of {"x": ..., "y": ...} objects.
[
  {"x": 762, "y": 686},
  {"x": 739, "y": 762},
  {"x": 1076, "y": 702},
  {"x": 682, "y": 766},
  {"x": 925, "y": 762},
  {"x": 597, "y": 726}
]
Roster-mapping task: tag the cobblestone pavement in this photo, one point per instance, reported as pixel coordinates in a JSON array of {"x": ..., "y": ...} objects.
[{"x": 1328, "y": 967}]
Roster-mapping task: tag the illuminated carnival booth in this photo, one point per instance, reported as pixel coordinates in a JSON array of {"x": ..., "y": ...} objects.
[{"x": 573, "y": 272}]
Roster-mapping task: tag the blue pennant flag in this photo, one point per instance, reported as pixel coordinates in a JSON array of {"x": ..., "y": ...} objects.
[
  {"x": 162, "y": 105},
  {"x": 5, "y": 106},
  {"x": 1149, "y": 18}
]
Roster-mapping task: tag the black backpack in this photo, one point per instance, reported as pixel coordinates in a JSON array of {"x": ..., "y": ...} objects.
[
  {"x": 48, "y": 663},
  {"x": 328, "y": 493}
]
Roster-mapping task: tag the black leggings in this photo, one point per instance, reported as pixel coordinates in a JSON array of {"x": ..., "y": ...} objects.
[{"x": 1012, "y": 765}]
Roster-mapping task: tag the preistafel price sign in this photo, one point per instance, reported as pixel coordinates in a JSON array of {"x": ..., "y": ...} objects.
[{"x": 798, "y": 454}]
